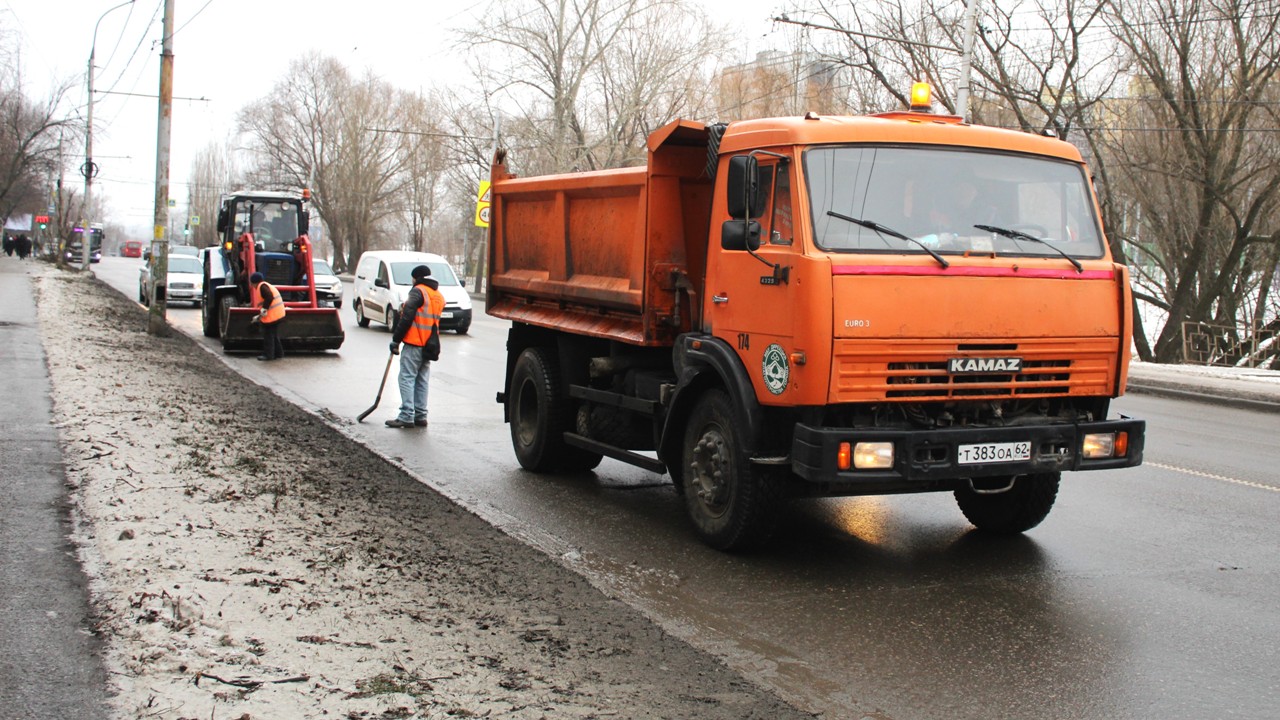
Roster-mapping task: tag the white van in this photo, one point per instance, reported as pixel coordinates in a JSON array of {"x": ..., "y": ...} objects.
[{"x": 383, "y": 281}]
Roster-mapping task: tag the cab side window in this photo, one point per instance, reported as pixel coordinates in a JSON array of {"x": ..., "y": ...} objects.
[
  {"x": 781, "y": 230},
  {"x": 382, "y": 274}
]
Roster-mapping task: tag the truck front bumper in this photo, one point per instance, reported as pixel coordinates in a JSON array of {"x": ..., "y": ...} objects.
[{"x": 925, "y": 460}]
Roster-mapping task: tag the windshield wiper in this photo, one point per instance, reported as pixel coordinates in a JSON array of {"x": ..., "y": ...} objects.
[
  {"x": 1019, "y": 235},
  {"x": 873, "y": 225}
]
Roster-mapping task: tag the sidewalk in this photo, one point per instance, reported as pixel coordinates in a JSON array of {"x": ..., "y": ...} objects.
[
  {"x": 50, "y": 666},
  {"x": 1246, "y": 388}
]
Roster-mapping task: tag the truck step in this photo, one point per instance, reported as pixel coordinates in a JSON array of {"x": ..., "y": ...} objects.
[{"x": 617, "y": 453}]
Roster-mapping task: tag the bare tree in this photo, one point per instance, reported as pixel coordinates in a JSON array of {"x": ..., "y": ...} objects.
[
  {"x": 1199, "y": 157},
  {"x": 324, "y": 130},
  {"x": 29, "y": 136},
  {"x": 590, "y": 77},
  {"x": 213, "y": 174}
]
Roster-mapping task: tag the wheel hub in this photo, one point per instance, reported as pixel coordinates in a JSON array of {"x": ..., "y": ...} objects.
[{"x": 709, "y": 467}]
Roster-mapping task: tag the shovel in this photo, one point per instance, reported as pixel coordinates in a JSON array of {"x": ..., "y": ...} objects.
[{"x": 374, "y": 406}]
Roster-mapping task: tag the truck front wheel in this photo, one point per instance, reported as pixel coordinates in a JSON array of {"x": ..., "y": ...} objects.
[
  {"x": 733, "y": 503},
  {"x": 225, "y": 303},
  {"x": 1016, "y": 510},
  {"x": 540, "y": 415}
]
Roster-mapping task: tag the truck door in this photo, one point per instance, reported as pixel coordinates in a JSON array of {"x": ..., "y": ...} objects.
[{"x": 750, "y": 304}]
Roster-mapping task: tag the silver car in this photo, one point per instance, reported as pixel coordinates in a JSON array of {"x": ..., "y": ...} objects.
[
  {"x": 185, "y": 283},
  {"x": 328, "y": 286}
]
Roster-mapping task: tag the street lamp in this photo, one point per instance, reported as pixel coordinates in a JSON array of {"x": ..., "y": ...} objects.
[{"x": 89, "y": 169}]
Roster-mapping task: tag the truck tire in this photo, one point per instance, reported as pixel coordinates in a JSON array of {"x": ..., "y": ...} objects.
[
  {"x": 1014, "y": 511},
  {"x": 361, "y": 320},
  {"x": 209, "y": 316},
  {"x": 225, "y": 303},
  {"x": 540, "y": 414},
  {"x": 733, "y": 503}
]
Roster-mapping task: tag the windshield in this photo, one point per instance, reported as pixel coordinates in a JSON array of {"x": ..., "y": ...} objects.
[
  {"x": 184, "y": 264},
  {"x": 402, "y": 273},
  {"x": 275, "y": 224},
  {"x": 938, "y": 195},
  {"x": 321, "y": 267}
]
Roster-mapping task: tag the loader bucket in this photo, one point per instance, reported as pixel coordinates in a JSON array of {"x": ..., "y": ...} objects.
[{"x": 303, "y": 330}]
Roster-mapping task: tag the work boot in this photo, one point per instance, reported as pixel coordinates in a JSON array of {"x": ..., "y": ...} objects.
[
  {"x": 398, "y": 423},
  {"x": 420, "y": 422}
]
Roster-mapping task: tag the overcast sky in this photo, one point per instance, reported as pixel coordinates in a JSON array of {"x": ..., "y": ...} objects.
[{"x": 228, "y": 53}]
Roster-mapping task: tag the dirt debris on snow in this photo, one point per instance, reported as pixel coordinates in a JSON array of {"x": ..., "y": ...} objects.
[{"x": 248, "y": 561}]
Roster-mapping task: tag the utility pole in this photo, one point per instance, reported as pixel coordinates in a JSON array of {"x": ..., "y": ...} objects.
[
  {"x": 156, "y": 324},
  {"x": 966, "y": 59},
  {"x": 484, "y": 233},
  {"x": 90, "y": 169}
]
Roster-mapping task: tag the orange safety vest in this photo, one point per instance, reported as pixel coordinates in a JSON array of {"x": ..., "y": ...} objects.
[
  {"x": 427, "y": 319},
  {"x": 274, "y": 311}
]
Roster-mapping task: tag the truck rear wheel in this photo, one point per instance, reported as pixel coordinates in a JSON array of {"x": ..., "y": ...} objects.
[
  {"x": 733, "y": 503},
  {"x": 540, "y": 414},
  {"x": 1018, "y": 509}
]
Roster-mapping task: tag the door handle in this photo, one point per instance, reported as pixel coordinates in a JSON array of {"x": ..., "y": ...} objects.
[{"x": 719, "y": 299}]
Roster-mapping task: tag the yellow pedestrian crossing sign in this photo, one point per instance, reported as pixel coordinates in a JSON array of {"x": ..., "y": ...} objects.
[{"x": 482, "y": 205}]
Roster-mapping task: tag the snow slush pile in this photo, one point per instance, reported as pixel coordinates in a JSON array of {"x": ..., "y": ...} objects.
[{"x": 247, "y": 561}]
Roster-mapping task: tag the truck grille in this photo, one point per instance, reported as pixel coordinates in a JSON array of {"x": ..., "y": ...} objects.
[
  {"x": 931, "y": 380},
  {"x": 869, "y": 371},
  {"x": 182, "y": 286}
]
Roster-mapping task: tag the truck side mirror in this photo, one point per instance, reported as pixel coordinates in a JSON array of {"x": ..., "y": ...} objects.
[
  {"x": 744, "y": 187},
  {"x": 379, "y": 282},
  {"x": 304, "y": 222},
  {"x": 222, "y": 220},
  {"x": 740, "y": 235}
]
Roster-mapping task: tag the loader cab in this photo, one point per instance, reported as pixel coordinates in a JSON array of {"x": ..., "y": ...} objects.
[{"x": 275, "y": 223}]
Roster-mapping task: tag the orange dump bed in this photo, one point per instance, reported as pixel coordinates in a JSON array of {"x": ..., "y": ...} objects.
[{"x": 603, "y": 253}]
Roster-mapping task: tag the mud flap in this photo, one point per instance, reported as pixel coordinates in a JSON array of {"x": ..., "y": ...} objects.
[{"x": 303, "y": 330}]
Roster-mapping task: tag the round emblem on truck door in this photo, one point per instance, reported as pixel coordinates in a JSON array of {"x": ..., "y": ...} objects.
[{"x": 776, "y": 369}]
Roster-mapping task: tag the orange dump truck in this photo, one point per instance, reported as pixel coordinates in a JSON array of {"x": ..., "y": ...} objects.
[{"x": 818, "y": 306}]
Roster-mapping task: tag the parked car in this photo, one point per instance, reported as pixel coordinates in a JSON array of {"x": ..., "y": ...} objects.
[
  {"x": 383, "y": 281},
  {"x": 185, "y": 283},
  {"x": 328, "y": 286},
  {"x": 132, "y": 248}
]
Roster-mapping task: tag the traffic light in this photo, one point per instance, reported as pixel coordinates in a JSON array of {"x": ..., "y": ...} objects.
[{"x": 43, "y": 221}]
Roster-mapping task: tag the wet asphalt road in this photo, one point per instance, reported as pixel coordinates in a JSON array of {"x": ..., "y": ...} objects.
[{"x": 1147, "y": 593}]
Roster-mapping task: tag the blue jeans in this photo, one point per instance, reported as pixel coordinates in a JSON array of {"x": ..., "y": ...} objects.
[{"x": 415, "y": 372}]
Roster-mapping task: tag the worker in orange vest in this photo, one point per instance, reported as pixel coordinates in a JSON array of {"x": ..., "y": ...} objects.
[
  {"x": 270, "y": 314},
  {"x": 419, "y": 329}
]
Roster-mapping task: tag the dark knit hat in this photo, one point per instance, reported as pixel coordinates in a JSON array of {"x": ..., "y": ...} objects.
[
  {"x": 420, "y": 272},
  {"x": 256, "y": 278}
]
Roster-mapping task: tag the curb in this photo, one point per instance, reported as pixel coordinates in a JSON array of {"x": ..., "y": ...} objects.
[{"x": 1179, "y": 393}]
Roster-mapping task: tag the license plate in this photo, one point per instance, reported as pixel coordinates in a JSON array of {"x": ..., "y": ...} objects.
[
  {"x": 994, "y": 453},
  {"x": 446, "y": 315}
]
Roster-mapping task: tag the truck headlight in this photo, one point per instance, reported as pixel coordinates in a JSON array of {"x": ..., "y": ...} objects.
[
  {"x": 1097, "y": 446},
  {"x": 865, "y": 456}
]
